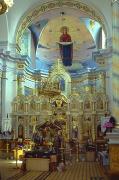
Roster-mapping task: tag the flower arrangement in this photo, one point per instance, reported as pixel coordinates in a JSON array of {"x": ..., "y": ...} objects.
[{"x": 109, "y": 124}]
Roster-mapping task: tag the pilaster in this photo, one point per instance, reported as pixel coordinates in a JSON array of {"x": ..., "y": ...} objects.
[{"x": 115, "y": 60}]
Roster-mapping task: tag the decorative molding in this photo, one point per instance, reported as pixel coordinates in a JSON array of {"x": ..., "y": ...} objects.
[
  {"x": 6, "y": 55},
  {"x": 21, "y": 63},
  {"x": 39, "y": 10},
  {"x": 5, "y": 45},
  {"x": 114, "y": 1}
]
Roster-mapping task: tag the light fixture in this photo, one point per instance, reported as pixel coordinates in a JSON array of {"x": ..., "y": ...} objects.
[{"x": 5, "y": 5}]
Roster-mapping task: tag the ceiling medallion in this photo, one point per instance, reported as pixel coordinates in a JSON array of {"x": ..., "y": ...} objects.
[{"x": 5, "y": 5}]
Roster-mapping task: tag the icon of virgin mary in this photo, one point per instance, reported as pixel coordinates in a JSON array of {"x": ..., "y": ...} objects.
[{"x": 66, "y": 46}]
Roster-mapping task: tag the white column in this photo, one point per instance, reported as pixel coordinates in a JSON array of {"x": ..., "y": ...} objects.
[
  {"x": 3, "y": 98},
  {"x": 115, "y": 60}
]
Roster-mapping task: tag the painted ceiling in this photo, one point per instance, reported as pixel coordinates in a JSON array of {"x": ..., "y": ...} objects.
[
  {"x": 83, "y": 32},
  {"x": 49, "y": 38},
  {"x": 44, "y": 58}
]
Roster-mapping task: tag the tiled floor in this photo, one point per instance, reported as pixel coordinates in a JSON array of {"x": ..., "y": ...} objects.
[
  {"x": 80, "y": 171},
  {"x": 76, "y": 171},
  {"x": 8, "y": 168}
]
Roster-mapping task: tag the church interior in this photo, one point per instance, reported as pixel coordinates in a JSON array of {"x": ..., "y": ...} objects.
[{"x": 59, "y": 90}]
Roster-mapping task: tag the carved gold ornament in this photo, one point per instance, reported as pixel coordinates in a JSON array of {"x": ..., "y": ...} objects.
[{"x": 5, "y": 5}]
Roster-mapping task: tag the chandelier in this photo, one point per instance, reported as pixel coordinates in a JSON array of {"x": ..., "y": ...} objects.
[{"x": 5, "y": 5}]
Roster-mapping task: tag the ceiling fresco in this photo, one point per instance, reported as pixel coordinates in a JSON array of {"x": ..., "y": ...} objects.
[
  {"x": 80, "y": 35},
  {"x": 83, "y": 32},
  {"x": 46, "y": 32}
]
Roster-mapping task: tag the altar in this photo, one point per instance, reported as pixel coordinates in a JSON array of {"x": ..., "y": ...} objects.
[{"x": 37, "y": 164}]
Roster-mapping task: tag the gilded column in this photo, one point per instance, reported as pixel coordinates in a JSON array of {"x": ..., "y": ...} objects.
[
  {"x": 69, "y": 121},
  {"x": 26, "y": 107},
  {"x": 80, "y": 128},
  {"x": 93, "y": 127},
  {"x": 93, "y": 105},
  {"x": 15, "y": 126},
  {"x": 70, "y": 125},
  {"x": 115, "y": 61},
  {"x": 27, "y": 127},
  {"x": 104, "y": 81},
  {"x": 39, "y": 106}
]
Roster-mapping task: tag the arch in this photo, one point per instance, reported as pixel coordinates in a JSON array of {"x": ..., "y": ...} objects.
[{"x": 26, "y": 20}]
